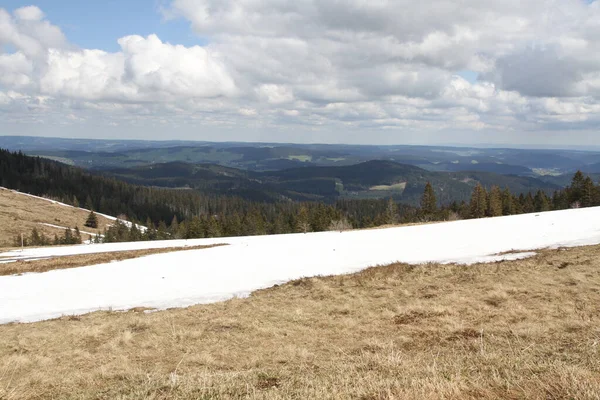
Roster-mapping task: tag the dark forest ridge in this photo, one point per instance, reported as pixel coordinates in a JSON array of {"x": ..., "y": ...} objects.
[{"x": 102, "y": 154}]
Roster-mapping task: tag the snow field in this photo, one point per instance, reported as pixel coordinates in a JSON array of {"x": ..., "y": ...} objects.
[{"x": 181, "y": 279}]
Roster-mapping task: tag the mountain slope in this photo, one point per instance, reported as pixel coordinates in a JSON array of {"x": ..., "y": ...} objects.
[{"x": 20, "y": 213}]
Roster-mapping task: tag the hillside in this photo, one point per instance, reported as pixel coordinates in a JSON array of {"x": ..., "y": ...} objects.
[
  {"x": 20, "y": 213},
  {"x": 251, "y": 263},
  {"x": 514, "y": 329},
  {"x": 375, "y": 179}
]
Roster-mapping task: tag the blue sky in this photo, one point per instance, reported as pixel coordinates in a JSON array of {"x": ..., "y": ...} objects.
[{"x": 99, "y": 24}]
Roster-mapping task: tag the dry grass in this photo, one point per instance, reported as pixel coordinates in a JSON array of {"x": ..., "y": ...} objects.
[
  {"x": 65, "y": 262},
  {"x": 520, "y": 329},
  {"x": 20, "y": 214}
]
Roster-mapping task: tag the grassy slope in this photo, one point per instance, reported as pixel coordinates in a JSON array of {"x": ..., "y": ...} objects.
[
  {"x": 524, "y": 329},
  {"x": 20, "y": 214}
]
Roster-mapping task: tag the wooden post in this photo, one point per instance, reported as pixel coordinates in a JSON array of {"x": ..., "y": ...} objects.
[{"x": 22, "y": 244}]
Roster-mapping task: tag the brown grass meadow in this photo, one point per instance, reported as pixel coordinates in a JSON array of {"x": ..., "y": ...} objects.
[
  {"x": 510, "y": 330},
  {"x": 20, "y": 214}
]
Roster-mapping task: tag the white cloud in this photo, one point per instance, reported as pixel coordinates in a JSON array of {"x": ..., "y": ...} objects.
[{"x": 326, "y": 64}]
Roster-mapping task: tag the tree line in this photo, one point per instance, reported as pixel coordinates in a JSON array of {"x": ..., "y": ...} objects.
[{"x": 187, "y": 214}]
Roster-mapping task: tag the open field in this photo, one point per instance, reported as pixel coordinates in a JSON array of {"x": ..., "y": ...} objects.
[
  {"x": 20, "y": 213},
  {"x": 82, "y": 260},
  {"x": 514, "y": 329},
  {"x": 396, "y": 186}
]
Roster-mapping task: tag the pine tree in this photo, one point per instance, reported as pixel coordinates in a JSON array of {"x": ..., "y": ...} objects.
[
  {"x": 302, "y": 224},
  {"x": 92, "y": 220},
  {"x": 495, "y": 202},
  {"x": 575, "y": 191},
  {"x": 391, "y": 212},
  {"x": 588, "y": 193},
  {"x": 478, "y": 205},
  {"x": 428, "y": 203},
  {"x": 162, "y": 233},
  {"x": 508, "y": 205},
  {"x": 541, "y": 202},
  {"x": 528, "y": 204},
  {"x": 174, "y": 227},
  {"x": 89, "y": 204},
  {"x": 560, "y": 200}
]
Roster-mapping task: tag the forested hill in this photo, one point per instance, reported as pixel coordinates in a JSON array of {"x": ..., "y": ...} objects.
[
  {"x": 192, "y": 214},
  {"x": 75, "y": 186},
  {"x": 207, "y": 215},
  {"x": 375, "y": 179}
]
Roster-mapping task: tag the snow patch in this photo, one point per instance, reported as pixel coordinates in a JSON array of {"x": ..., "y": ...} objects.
[{"x": 185, "y": 278}]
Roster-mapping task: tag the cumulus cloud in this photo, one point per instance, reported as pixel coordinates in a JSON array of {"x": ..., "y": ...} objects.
[
  {"x": 146, "y": 69},
  {"x": 326, "y": 64}
]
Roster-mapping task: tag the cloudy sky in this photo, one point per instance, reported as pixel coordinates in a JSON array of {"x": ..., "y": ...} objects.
[{"x": 332, "y": 71}]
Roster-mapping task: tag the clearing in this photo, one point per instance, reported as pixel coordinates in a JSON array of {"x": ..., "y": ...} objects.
[
  {"x": 396, "y": 186},
  {"x": 513, "y": 329},
  {"x": 20, "y": 213}
]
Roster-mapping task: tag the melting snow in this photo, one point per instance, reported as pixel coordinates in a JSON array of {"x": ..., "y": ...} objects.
[{"x": 181, "y": 279}]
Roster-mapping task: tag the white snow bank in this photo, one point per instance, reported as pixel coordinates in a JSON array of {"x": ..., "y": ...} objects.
[{"x": 181, "y": 279}]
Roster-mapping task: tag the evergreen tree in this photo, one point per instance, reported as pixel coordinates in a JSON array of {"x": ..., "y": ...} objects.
[
  {"x": 560, "y": 200},
  {"x": 541, "y": 202},
  {"x": 508, "y": 205},
  {"x": 528, "y": 204},
  {"x": 391, "y": 212},
  {"x": 302, "y": 224},
  {"x": 428, "y": 203},
  {"x": 162, "y": 233},
  {"x": 478, "y": 205},
  {"x": 89, "y": 204},
  {"x": 495, "y": 202},
  {"x": 575, "y": 191},
  {"x": 92, "y": 220},
  {"x": 588, "y": 193},
  {"x": 174, "y": 228}
]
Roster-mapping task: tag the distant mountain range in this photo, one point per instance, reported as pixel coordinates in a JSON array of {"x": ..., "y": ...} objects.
[
  {"x": 269, "y": 171},
  {"x": 371, "y": 179},
  {"x": 101, "y": 154}
]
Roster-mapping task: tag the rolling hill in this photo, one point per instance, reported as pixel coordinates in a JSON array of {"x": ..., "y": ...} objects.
[{"x": 371, "y": 179}]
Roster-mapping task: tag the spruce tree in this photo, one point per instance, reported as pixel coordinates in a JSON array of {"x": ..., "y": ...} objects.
[
  {"x": 508, "y": 205},
  {"x": 541, "y": 202},
  {"x": 478, "y": 205},
  {"x": 495, "y": 202},
  {"x": 391, "y": 212},
  {"x": 588, "y": 193},
  {"x": 575, "y": 191},
  {"x": 92, "y": 220},
  {"x": 428, "y": 203},
  {"x": 302, "y": 224},
  {"x": 528, "y": 204}
]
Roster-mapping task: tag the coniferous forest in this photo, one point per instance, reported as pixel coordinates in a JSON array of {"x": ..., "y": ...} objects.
[{"x": 176, "y": 213}]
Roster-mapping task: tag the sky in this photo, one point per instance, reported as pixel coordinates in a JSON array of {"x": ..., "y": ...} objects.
[{"x": 500, "y": 72}]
